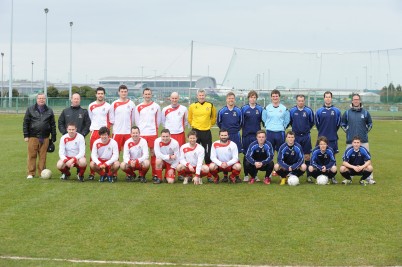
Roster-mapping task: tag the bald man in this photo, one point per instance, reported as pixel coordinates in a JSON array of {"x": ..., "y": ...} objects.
[
  {"x": 174, "y": 118},
  {"x": 76, "y": 114}
]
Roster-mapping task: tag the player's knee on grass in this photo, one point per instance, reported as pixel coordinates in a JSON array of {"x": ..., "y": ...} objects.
[
  {"x": 237, "y": 166},
  {"x": 82, "y": 162},
  {"x": 276, "y": 167},
  {"x": 303, "y": 167}
]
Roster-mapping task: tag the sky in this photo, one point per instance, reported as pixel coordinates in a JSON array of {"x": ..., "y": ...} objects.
[{"x": 148, "y": 37}]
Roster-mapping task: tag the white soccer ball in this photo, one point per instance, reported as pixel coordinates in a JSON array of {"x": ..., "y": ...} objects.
[
  {"x": 322, "y": 179},
  {"x": 293, "y": 180},
  {"x": 46, "y": 174}
]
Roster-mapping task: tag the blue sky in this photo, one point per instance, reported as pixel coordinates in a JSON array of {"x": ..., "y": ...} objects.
[{"x": 123, "y": 37}]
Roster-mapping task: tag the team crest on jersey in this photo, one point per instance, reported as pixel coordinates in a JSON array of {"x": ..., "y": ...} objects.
[
  {"x": 304, "y": 114},
  {"x": 207, "y": 108},
  {"x": 80, "y": 116},
  {"x": 359, "y": 155},
  {"x": 103, "y": 109},
  {"x": 234, "y": 114},
  {"x": 362, "y": 116},
  {"x": 257, "y": 112},
  {"x": 332, "y": 113},
  {"x": 325, "y": 156},
  {"x": 109, "y": 148},
  {"x": 292, "y": 153},
  {"x": 280, "y": 111}
]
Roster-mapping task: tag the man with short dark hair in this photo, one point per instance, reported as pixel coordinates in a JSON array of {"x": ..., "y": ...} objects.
[
  {"x": 225, "y": 158},
  {"x": 191, "y": 160},
  {"x": 122, "y": 117},
  {"x": 252, "y": 114},
  {"x": 72, "y": 153},
  {"x": 148, "y": 117},
  {"x": 105, "y": 156},
  {"x": 302, "y": 120},
  {"x": 328, "y": 121},
  {"x": 167, "y": 152},
  {"x": 259, "y": 157},
  {"x": 323, "y": 160},
  {"x": 135, "y": 156},
  {"x": 276, "y": 119},
  {"x": 356, "y": 161},
  {"x": 38, "y": 124},
  {"x": 290, "y": 159},
  {"x": 98, "y": 112}
]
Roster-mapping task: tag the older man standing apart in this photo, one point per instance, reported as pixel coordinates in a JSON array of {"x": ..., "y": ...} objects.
[
  {"x": 357, "y": 121},
  {"x": 38, "y": 124}
]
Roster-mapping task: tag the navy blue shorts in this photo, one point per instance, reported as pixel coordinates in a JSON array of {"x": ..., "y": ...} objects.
[
  {"x": 276, "y": 139},
  {"x": 246, "y": 141},
  {"x": 305, "y": 142},
  {"x": 235, "y": 137}
]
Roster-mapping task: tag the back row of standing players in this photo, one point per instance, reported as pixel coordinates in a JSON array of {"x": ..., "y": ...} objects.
[{"x": 202, "y": 115}]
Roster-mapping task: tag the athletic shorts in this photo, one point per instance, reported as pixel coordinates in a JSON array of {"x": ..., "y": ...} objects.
[
  {"x": 276, "y": 139},
  {"x": 235, "y": 137},
  {"x": 305, "y": 142},
  {"x": 180, "y": 138},
  {"x": 94, "y": 136},
  {"x": 150, "y": 140},
  {"x": 246, "y": 141},
  {"x": 121, "y": 139}
]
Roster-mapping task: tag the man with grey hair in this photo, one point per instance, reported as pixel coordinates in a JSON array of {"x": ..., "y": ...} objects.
[
  {"x": 38, "y": 124},
  {"x": 201, "y": 117}
]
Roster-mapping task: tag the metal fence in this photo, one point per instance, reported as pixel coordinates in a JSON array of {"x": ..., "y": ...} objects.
[{"x": 377, "y": 110}]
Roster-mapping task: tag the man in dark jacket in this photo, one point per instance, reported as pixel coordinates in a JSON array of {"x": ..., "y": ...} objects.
[
  {"x": 38, "y": 124},
  {"x": 357, "y": 121},
  {"x": 75, "y": 113}
]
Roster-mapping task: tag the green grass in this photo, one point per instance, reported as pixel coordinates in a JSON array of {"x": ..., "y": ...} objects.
[{"x": 214, "y": 224}]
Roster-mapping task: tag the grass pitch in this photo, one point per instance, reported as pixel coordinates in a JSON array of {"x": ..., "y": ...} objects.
[{"x": 210, "y": 224}]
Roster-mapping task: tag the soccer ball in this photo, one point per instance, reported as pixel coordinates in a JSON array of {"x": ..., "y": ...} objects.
[
  {"x": 46, "y": 174},
  {"x": 322, "y": 179},
  {"x": 293, "y": 180}
]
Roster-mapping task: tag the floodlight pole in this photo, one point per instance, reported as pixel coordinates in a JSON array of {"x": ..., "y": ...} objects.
[
  {"x": 10, "y": 82},
  {"x": 45, "y": 78},
  {"x": 191, "y": 72},
  {"x": 71, "y": 61},
  {"x": 2, "y": 75},
  {"x": 32, "y": 77}
]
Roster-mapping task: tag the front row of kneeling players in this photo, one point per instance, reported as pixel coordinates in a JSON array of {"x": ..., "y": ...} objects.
[{"x": 187, "y": 160}]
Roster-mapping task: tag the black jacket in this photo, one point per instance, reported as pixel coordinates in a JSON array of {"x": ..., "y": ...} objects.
[
  {"x": 39, "y": 125},
  {"x": 79, "y": 116}
]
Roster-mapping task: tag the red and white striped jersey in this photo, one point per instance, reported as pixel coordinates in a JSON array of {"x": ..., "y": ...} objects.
[
  {"x": 99, "y": 115},
  {"x": 122, "y": 116},
  {"x": 224, "y": 153},
  {"x": 163, "y": 151},
  {"x": 72, "y": 147},
  {"x": 108, "y": 151},
  {"x": 135, "y": 150},
  {"x": 175, "y": 118},
  {"x": 147, "y": 118},
  {"x": 193, "y": 156}
]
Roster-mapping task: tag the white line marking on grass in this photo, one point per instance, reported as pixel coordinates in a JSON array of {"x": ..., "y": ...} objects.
[{"x": 131, "y": 262}]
